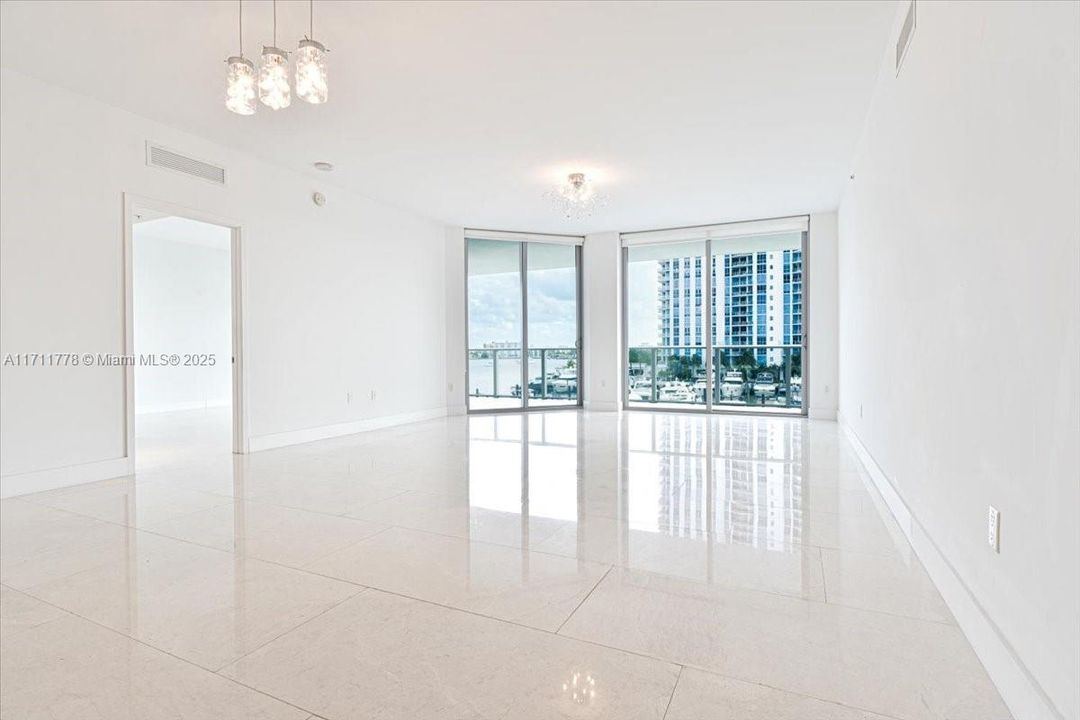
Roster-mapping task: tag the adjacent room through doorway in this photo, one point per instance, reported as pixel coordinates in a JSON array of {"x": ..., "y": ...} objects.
[{"x": 182, "y": 301}]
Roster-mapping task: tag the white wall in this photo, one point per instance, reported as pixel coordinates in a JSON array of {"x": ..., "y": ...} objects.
[
  {"x": 183, "y": 306},
  {"x": 960, "y": 324},
  {"x": 602, "y": 332},
  {"x": 339, "y": 300},
  {"x": 822, "y": 316},
  {"x": 455, "y": 321}
]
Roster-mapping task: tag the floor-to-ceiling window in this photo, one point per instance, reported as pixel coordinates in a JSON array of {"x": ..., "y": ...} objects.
[
  {"x": 714, "y": 317},
  {"x": 524, "y": 325}
]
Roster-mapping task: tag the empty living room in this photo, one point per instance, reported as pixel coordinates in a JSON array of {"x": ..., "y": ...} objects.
[{"x": 540, "y": 359}]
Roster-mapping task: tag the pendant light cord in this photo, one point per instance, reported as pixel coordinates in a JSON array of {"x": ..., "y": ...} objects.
[
  {"x": 241, "y": 26},
  {"x": 275, "y": 23},
  {"x": 311, "y": 18}
]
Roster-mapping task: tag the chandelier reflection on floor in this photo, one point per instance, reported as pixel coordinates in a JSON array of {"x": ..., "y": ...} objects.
[{"x": 581, "y": 688}]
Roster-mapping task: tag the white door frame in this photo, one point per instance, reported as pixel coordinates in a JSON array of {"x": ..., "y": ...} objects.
[{"x": 132, "y": 203}]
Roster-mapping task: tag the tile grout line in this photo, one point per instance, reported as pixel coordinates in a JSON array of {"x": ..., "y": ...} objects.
[
  {"x": 484, "y": 542},
  {"x": 283, "y": 633},
  {"x": 799, "y": 693},
  {"x": 671, "y": 697},
  {"x": 587, "y": 596},
  {"x": 682, "y": 666},
  {"x": 147, "y": 645},
  {"x": 555, "y": 633}
]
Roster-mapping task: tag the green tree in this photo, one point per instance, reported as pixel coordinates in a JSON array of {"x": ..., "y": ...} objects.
[
  {"x": 683, "y": 367},
  {"x": 746, "y": 360}
]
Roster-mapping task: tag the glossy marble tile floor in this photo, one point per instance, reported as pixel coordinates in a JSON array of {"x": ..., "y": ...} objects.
[{"x": 558, "y": 565}]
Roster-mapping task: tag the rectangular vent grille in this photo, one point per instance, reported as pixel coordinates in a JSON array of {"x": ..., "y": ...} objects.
[
  {"x": 158, "y": 156},
  {"x": 906, "y": 31}
]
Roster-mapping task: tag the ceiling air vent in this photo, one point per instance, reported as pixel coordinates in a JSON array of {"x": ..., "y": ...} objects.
[
  {"x": 158, "y": 156},
  {"x": 906, "y": 31}
]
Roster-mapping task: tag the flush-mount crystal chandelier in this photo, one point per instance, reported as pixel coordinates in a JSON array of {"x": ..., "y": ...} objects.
[
  {"x": 271, "y": 83},
  {"x": 576, "y": 198}
]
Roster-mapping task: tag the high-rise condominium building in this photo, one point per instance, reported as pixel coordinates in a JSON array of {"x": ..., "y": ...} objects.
[{"x": 757, "y": 299}]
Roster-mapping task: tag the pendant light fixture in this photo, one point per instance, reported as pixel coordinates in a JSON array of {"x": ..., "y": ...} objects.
[
  {"x": 274, "y": 89},
  {"x": 240, "y": 81},
  {"x": 311, "y": 79}
]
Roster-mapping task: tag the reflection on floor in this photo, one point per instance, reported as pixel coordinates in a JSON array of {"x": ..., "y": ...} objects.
[{"x": 555, "y": 565}]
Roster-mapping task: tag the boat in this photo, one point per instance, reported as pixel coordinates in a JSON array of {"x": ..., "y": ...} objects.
[
  {"x": 764, "y": 384},
  {"x": 732, "y": 385},
  {"x": 677, "y": 391},
  {"x": 565, "y": 381}
]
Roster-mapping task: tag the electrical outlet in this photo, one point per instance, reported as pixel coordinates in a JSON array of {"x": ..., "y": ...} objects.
[
  {"x": 451, "y": 387},
  {"x": 860, "y": 411},
  {"x": 993, "y": 529},
  {"x": 372, "y": 394},
  {"x": 348, "y": 398}
]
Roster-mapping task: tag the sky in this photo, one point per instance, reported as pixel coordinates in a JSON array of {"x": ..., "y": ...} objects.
[{"x": 495, "y": 307}]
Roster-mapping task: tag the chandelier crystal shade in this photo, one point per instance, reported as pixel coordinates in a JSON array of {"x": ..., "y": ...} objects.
[
  {"x": 311, "y": 80},
  {"x": 274, "y": 91},
  {"x": 577, "y": 198},
  {"x": 240, "y": 86},
  {"x": 240, "y": 79}
]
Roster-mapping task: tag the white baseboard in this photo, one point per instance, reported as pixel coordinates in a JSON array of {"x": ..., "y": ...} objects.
[
  {"x": 297, "y": 437},
  {"x": 823, "y": 412},
  {"x": 53, "y": 478},
  {"x": 601, "y": 406},
  {"x": 1018, "y": 687}
]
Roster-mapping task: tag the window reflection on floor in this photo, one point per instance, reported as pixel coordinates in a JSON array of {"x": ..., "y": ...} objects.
[{"x": 707, "y": 481}]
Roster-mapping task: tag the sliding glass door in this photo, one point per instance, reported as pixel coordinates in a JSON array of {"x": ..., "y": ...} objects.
[
  {"x": 714, "y": 317},
  {"x": 553, "y": 332},
  {"x": 495, "y": 324},
  {"x": 524, "y": 325},
  {"x": 667, "y": 332}
]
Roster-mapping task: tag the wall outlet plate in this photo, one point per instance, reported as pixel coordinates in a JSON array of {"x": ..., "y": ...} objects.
[{"x": 993, "y": 534}]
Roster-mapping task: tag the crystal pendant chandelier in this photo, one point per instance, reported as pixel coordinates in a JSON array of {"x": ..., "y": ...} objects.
[
  {"x": 311, "y": 80},
  {"x": 576, "y": 198},
  {"x": 274, "y": 91},
  {"x": 240, "y": 81},
  {"x": 270, "y": 82}
]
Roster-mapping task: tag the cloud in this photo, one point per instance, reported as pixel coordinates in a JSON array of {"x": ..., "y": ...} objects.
[{"x": 495, "y": 308}]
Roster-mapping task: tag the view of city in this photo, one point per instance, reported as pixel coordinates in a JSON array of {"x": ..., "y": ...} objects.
[
  {"x": 744, "y": 320},
  {"x": 753, "y": 304}
]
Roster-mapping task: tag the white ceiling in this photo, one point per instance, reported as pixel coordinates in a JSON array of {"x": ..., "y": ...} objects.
[{"x": 467, "y": 112}]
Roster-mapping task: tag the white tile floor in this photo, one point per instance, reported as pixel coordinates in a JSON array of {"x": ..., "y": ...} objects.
[{"x": 559, "y": 565}]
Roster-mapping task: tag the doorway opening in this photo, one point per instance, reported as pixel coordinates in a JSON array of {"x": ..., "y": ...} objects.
[{"x": 182, "y": 337}]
